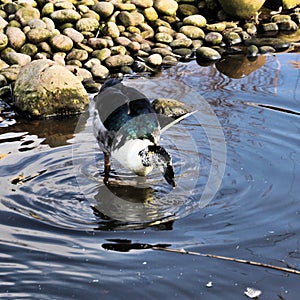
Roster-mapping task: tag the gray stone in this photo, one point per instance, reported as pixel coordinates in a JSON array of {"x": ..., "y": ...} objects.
[
  {"x": 119, "y": 61},
  {"x": 170, "y": 107},
  {"x": 74, "y": 35},
  {"x": 24, "y": 14},
  {"x": 65, "y": 15},
  {"x": 87, "y": 24},
  {"x": 104, "y": 9},
  {"x": 38, "y": 35},
  {"x": 214, "y": 38},
  {"x": 16, "y": 37},
  {"x": 36, "y": 23},
  {"x": 61, "y": 42},
  {"x": 99, "y": 71},
  {"x": 14, "y": 58},
  {"x": 192, "y": 32},
  {"x": 77, "y": 54},
  {"x": 207, "y": 53},
  {"x": 50, "y": 90}
]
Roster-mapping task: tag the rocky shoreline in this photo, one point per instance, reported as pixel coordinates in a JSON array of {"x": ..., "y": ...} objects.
[{"x": 95, "y": 39}]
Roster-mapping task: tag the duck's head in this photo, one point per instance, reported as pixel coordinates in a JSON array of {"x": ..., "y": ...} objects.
[{"x": 157, "y": 157}]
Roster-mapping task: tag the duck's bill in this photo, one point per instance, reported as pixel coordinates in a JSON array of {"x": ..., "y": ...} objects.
[{"x": 169, "y": 175}]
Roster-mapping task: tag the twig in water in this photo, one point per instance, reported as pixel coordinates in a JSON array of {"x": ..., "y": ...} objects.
[{"x": 242, "y": 261}]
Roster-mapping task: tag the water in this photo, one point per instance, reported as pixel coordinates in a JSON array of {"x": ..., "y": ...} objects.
[{"x": 237, "y": 162}]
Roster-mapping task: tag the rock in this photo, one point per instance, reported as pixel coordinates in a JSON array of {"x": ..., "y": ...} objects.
[
  {"x": 99, "y": 71},
  {"x": 61, "y": 42},
  {"x": 65, "y": 16},
  {"x": 3, "y": 23},
  {"x": 142, "y": 3},
  {"x": 124, "y": 6},
  {"x": 192, "y": 32},
  {"x": 29, "y": 49},
  {"x": 219, "y": 27},
  {"x": 77, "y": 54},
  {"x": 16, "y": 37},
  {"x": 163, "y": 37},
  {"x": 87, "y": 25},
  {"x": 116, "y": 50},
  {"x": 207, "y": 53},
  {"x": 111, "y": 29},
  {"x": 271, "y": 26},
  {"x": 150, "y": 14},
  {"x": 252, "y": 51},
  {"x": 166, "y": 7},
  {"x": 181, "y": 42},
  {"x": 98, "y": 43},
  {"x": 195, "y": 20},
  {"x": 14, "y": 58},
  {"x": 24, "y": 14},
  {"x": 241, "y": 9},
  {"x": 276, "y": 43},
  {"x": 155, "y": 59},
  {"x": 3, "y": 41},
  {"x": 38, "y": 35},
  {"x": 288, "y": 26},
  {"x": 130, "y": 18},
  {"x": 123, "y": 41},
  {"x": 101, "y": 54},
  {"x": 74, "y": 35},
  {"x": 50, "y": 90},
  {"x": 104, "y": 9},
  {"x": 187, "y": 10},
  {"x": 48, "y": 9},
  {"x": 170, "y": 108},
  {"x": 214, "y": 38},
  {"x": 36, "y": 23},
  {"x": 11, "y": 73},
  {"x": 232, "y": 38},
  {"x": 49, "y": 24},
  {"x": 119, "y": 61}
]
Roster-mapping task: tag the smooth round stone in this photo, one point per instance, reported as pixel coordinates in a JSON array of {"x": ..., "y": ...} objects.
[
  {"x": 104, "y": 9},
  {"x": 163, "y": 37},
  {"x": 99, "y": 71},
  {"x": 130, "y": 18},
  {"x": 195, "y": 20},
  {"x": 24, "y": 14},
  {"x": 3, "y": 23},
  {"x": 59, "y": 58},
  {"x": 162, "y": 51},
  {"x": 207, "y": 53},
  {"x": 288, "y": 26},
  {"x": 63, "y": 5},
  {"x": 61, "y": 42},
  {"x": 48, "y": 9},
  {"x": 134, "y": 46},
  {"x": 280, "y": 18},
  {"x": 192, "y": 32},
  {"x": 97, "y": 43},
  {"x": 77, "y": 54},
  {"x": 38, "y": 35},
  {"x": 102, "y": 54},
  {"x": 3, "y": 41},
  {"x": 45, "y": 47},
  {"x": 133, "y": 29},
  {"x": 170, "y": 107},
  {"x": 14, "y": 58},
  {"x": 187, "y": 9},
  {"x": 111, "y": 29},
  {"x": 216, "y": 27},
  {"x": 232, "y": 38},
  {"x": 119, "y": 61},
  {"x": 91, "y": 62},
  {"x": 29, "y": 49},
  {"x": 267, "y": 27},
  {"x": 214, "y": 38},
  {"x": 11, "y": 8},
  {"x": 155, "y": 59},
  {"x": 11, "y": 72},
  {"x": 91, "y": 15},
  {"x": 169, "y": 60},
  {"x": 181, "y": 43},
  {"x": 150, "y": 14},
  {"x": 16, "y": 37},
  {"x": 142, "y": 3},
  {"x": 276, "y": 43},
  {"x": 65, "y": 15},
  {"x": 184, "y": 52},
  {"x": 165, "y": 29},
  {"x": 266, "y": 49},
  {"x": 74, "y": 35},
  {"x": 252, "y": 51},
  {"x": 250, "y": 28},
  {"x": 166, "y": 7},
  {"x": 124, "y": 6},
  {"x": 87, "y": 24},
  {"x": 123, "y": 41},
  {"x": 49, "y": 24},
  {"x": 115, "y": 50}
]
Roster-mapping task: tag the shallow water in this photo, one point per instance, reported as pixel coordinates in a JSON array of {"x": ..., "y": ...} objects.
[{"x": 65, "y": 235}]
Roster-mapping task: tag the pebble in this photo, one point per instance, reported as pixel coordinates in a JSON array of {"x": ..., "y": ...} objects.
[
  {"x": 119, "y": 61},
  {"x": 192, "y": 32},
  {"x": 155, "y": 59},
  {"x": 207, "y": 53}
]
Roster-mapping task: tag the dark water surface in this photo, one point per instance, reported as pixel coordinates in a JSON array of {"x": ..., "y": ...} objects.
[{"x": 66, "y": 236}]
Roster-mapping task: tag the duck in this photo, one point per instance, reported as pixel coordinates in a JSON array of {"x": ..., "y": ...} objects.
[{"x": 127, "y": 129}]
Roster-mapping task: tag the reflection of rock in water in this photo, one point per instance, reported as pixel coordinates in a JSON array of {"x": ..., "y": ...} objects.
[
  {"x": 239, "y": 66},
  {"x": 128, "y": 203}
]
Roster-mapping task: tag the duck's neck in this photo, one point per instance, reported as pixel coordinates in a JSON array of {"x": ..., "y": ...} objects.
[{"x": 128, "y": 156}]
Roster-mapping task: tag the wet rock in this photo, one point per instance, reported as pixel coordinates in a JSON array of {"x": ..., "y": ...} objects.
[
  {"x": 50, "y": 90},
  {"x": 242, "y": 9},
  {"x": 87, "y": 25},
  {"x": 155, "y": 59},
  {"x": 170, "y": 107},
  {"x": 252, "y": 51},
  {"x": 104, "y": 9},
  {"x": 65, "y": 16},
  {"x": 232, "y": 38},
  {"x": 288, "y": 26},
  {"x": 74, "y": 35},
  {"x": 250, "y": 28},
  {"x": 280, "y": 18},
  {"x": 207, "y": 53},
  {"x": 38, "y": 35},
  {"x": 266, "y": 49},
  {"x": 166, "y": 7},
  {"x": 24, "y": 14},
  {"x": 162, "y": 51},
  {"x": 14, "y": 58},
  {"x": 214, "y": 38},
  {"x": 61, "y": 42},
  {"x": 185, "y": 53},
  {"x": 119, "y": 61},
  {"x": 3, "y": 41},
  {"x": 16, "y": 37},
  {"x": 276, "y": 43},
  {"x": 192, "y": 32}
]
